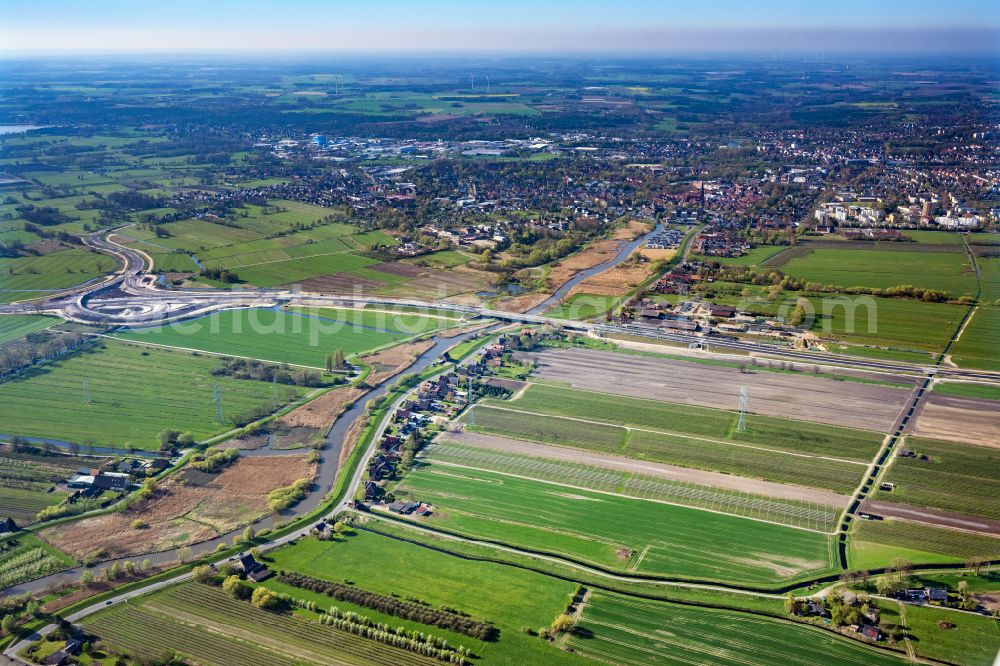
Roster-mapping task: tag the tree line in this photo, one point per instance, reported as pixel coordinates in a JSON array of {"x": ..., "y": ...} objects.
[{"x": 436, "y": 617}]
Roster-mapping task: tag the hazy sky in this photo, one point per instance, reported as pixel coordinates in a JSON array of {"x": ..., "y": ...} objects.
[{"x": 501, "y": 25}]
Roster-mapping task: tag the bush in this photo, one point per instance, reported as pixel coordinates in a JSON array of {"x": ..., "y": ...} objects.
[
  {"x": 266, "y": 599},
  {"x": 237, "y": 588},
  {"x": 280, "y": 499},
  {"x": 215, "y": 461}
]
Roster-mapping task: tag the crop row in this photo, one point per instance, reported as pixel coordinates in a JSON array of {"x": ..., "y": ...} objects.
[{"x": 745, "y": 505}]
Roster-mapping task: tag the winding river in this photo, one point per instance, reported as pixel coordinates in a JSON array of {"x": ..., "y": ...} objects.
[{"x": 625, "y": 250}]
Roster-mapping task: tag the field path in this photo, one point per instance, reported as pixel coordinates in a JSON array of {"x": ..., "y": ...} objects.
[{"x": 672, "y": 472}]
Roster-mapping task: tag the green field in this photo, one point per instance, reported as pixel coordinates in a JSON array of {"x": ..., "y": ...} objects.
[
  {"x": 966, "y": 639},
  {"x": 893, "y": 322},
  {"x": 16, "y": 326},
  {"x": 30, "y": 277},
  {"x": 968, "y": 390},
  {"x": 947, "y": 271},
  {"x": 621, "y": 630},
  {"x": 300, "y": 336},
  {"x": 978, "y": 348},
  {"x": 640, "y": 486},
  {"x": 583, "y": 306},
  {"x": 765, "y": 431},
  {"x": 267, "y": 248},
  {"x": 874, "y": 543},
  {"x": 135, "y": 392},
  {"x": 615, "y": 531},
  {"x": 507, "y": 597},
  {"x": 958, "y": 477},
  {"x": 25, "y": 557},
  {"x": 667, "y": 448}
]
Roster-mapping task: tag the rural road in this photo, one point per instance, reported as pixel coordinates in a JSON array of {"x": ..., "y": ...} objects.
[{"x": 131, "y": 298}]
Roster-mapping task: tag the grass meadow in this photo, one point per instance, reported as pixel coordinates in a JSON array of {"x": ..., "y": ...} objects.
[
  {"x": 16, "y": 326},
  {"x": 948, "y": 271},
  {"x": 507, "y": 597},
  {"x": 135, "y": 392},
  {"x": 299, "y": 336},
  {"x": 874, "y": 543}
]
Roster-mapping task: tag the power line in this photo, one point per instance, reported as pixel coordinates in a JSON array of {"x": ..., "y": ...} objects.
[{"x": 741, "y": 425}]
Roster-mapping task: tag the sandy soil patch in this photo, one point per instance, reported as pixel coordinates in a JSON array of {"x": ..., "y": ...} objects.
[
  {"x": 622, "y": 464},
  {"x": 322, "y": 411},
  {"x": 390, "y": 362},
  {"x": 955, "y": 521},
  {"x": 656, "y": 254},
  {"x": 966, "y": 420},
  {"x": 521, "y": 303},
  {"x": 596, "y": 253},
  {"x": 184, "y": 510},
  {"x": 350, "y": 440},
  {"x": 796, "y": 396},
  {"x": 615, "y": 281}
]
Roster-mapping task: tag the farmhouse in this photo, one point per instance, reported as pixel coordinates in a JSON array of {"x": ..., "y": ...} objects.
[
  {"x": 253, "y": 569},
  {"x": 114, "y": 481}
]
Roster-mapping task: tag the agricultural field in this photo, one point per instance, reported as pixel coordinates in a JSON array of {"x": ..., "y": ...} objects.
[
  {"x": 977, "y": 348},
  {"x": 207, "y": 625},
  {"x": 966, "y": 639},
  {"x": 947, "y": 271},
  {"x": 26, "y": 557},
  {"x": 621, "y": 630},
  {"x": 968, "y": 390},
  {"x": 686, "y": 451},
  {"x": 28, "y": 482},
  {"x": 16, "y": 326},
  {"x": 690, "y": 386},
  {"x": 795, "y": 506},
  {"x": 715, "y": 424},
  {"x": 894, "y": 322},
  {"x": 615, "y": 531},
  {"x": 299, "y": 336},
  {"x": 507, "y": 597},
  {"x": 134, "y": 393},
  {"x": 874, "y": 543},
  {"x": 35, "y": 276},
  {"x": 958, "y": 477}
]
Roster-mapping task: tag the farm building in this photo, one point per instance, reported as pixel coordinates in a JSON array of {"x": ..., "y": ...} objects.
[{"x": 253, "y": 569}]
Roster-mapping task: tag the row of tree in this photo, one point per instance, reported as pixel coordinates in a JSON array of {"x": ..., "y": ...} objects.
[{"x": 407, "y": 610}]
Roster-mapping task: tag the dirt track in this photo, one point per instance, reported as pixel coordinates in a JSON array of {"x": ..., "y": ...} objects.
[
  {"x": 932, "y": 517},
  {"x": 966, "y": 420},
  {"x": 797, "y": 396},
  {"x": 672, "y": 472}
]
